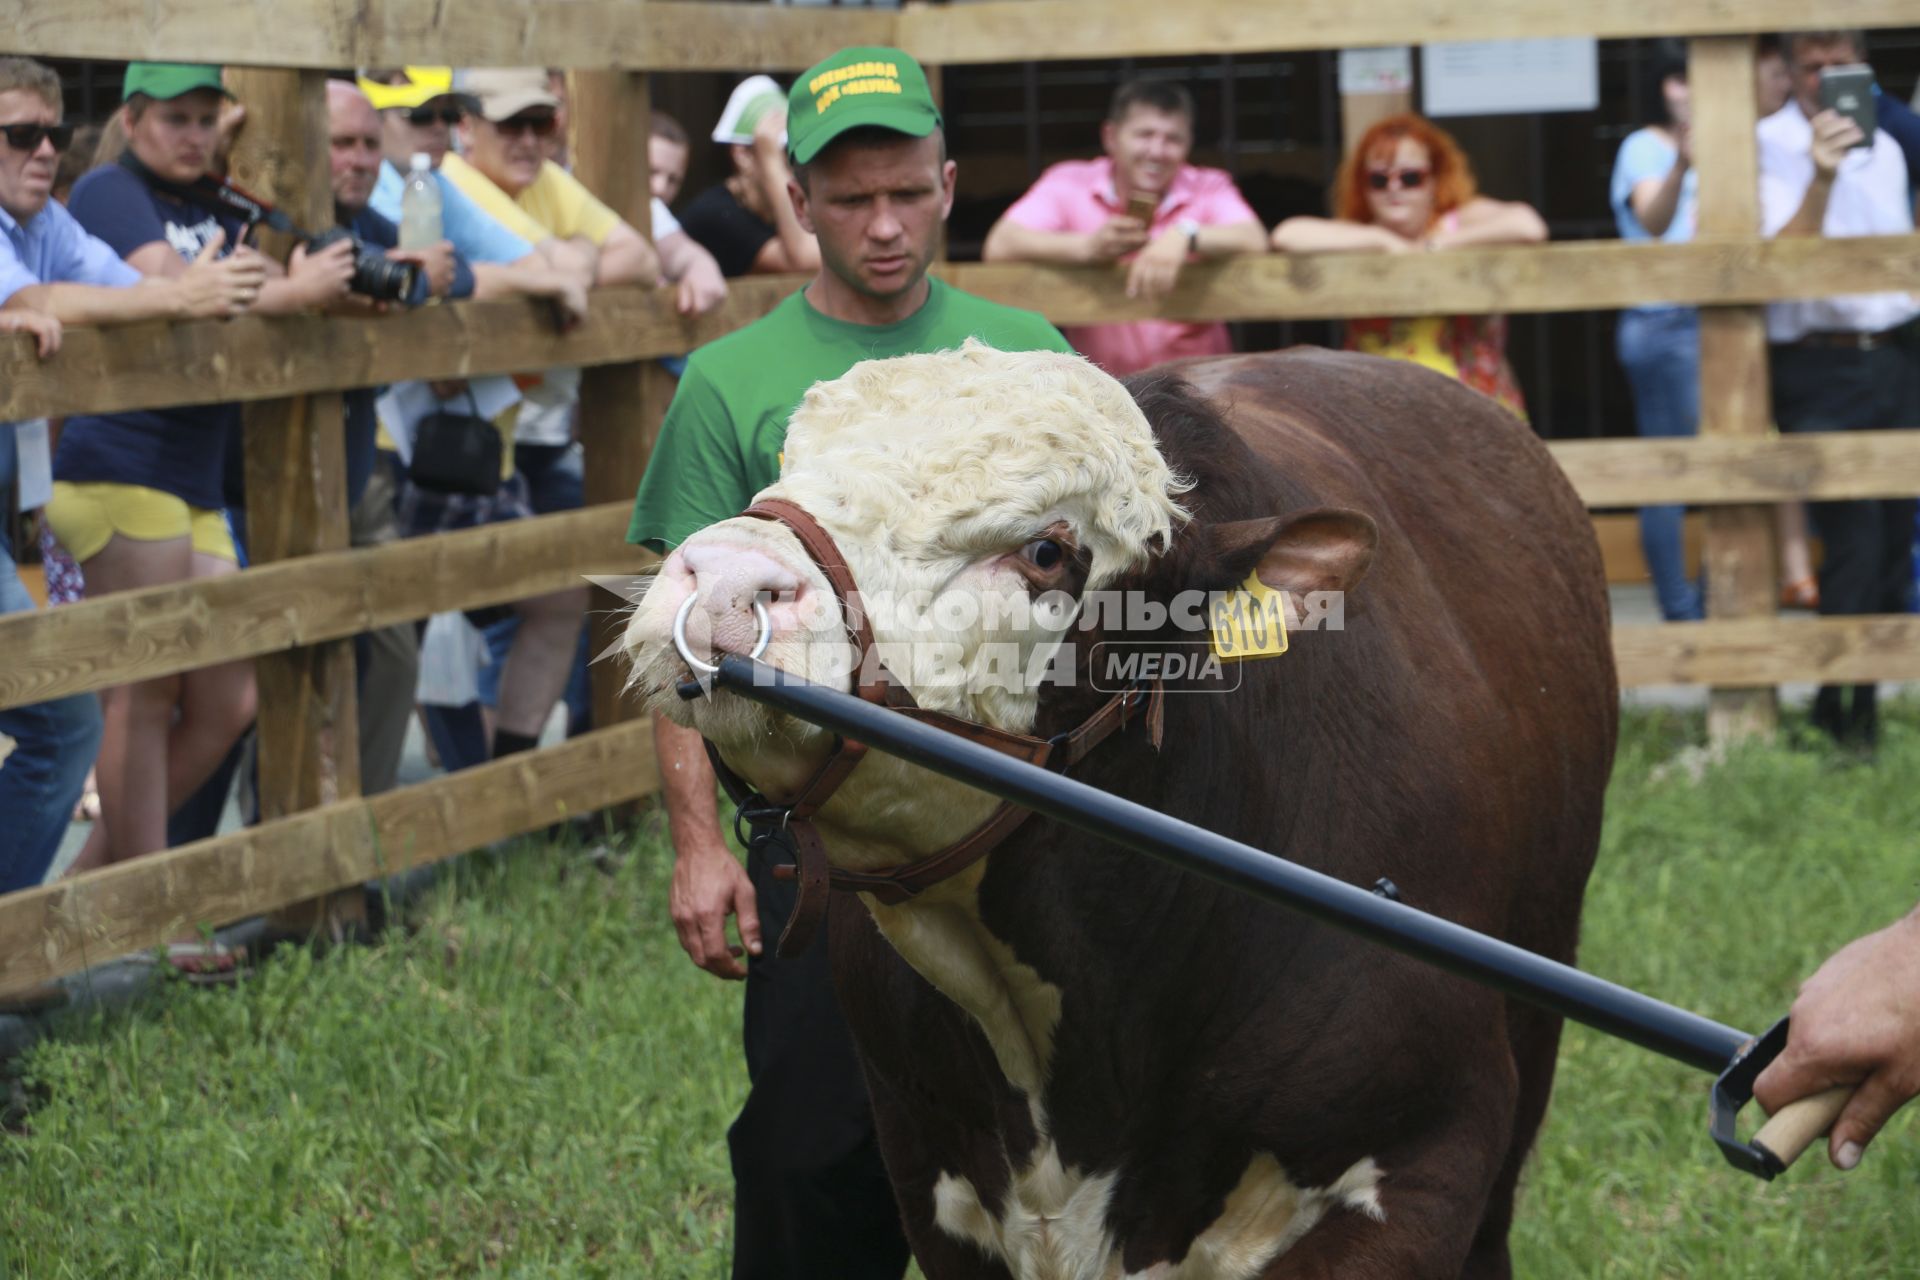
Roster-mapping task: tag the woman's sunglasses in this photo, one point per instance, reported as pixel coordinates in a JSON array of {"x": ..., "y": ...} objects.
[
  {"x": 1406, "y": 179},
  {"x": 421, "y": 117},
  {"x": 27, "y": 137},
  {"x": 540, "y": 126}
]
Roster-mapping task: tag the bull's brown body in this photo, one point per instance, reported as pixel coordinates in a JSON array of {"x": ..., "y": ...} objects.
[{"x": 1456, "y": 737}]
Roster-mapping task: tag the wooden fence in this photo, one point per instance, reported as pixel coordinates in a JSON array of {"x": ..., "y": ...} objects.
[{"x": 294, "y": 612}]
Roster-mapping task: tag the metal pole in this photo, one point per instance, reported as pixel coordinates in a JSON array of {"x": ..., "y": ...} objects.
[{"x": 1615, "y": 1010}]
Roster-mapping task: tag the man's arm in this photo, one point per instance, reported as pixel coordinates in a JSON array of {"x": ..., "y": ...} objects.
[
  {"x": 1156, "y": 269},
  {"x": 1833, "y": 134},
  {"x": 692, "y": 268},
  {"x": 532, "y": 276},
  {"x": 209, "y": 287},
  {"x": 1856, "y": 1022},
  {"x": 709, "y": 884},
  {"x": 627, "y": 258},
  {"x": 798, "y": 250}
]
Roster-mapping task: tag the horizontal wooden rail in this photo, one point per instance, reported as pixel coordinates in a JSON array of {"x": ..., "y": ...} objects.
[
  {"x": 649, "y": 35},
  {"x": 1721, "y": 471},
  {"x": 1039, "y": 30},
  {"x": 262, "y": 357},
  {"x": 1762, "y": 652},
  {"x": 587, "y": 34},
  {"x": 156, "y": 365},
  {"x": 158, "y": 631},
  {"x": 64, "y": 927}
]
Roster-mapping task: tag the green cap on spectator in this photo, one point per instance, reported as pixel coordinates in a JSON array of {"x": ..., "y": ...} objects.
[
  {"x": 164, "y": 80},
  {"x": 881, "y": 87}
]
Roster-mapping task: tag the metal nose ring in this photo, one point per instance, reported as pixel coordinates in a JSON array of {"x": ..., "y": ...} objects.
[{"x": 707, "y": 668}]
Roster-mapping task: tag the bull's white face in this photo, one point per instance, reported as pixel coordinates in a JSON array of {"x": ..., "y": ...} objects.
[{"x": 974, "y": 493}]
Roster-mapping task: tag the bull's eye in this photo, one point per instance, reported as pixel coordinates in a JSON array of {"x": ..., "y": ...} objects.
[{"x": 1044, "y": 553}]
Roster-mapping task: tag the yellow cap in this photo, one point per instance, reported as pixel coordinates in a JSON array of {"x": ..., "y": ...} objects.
[{"x": 423, "y": 85}]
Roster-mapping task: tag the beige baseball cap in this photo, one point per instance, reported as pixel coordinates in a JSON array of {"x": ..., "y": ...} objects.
[{"x": 504, "y": 92}]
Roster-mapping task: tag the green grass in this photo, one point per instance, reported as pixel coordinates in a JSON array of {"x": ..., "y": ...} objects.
[{"x": 534, "y": 1082}]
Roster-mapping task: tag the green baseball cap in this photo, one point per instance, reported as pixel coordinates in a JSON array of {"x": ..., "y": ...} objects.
[
  {"x": 164, "y": 80},
  {"x": 875, "y": 86}
]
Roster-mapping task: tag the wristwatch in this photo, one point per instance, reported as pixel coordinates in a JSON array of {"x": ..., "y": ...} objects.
[{"x": 1191, "y": 230}]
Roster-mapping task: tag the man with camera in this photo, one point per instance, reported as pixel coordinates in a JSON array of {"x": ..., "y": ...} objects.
[
  {"x": 1141, "y": 204},
  {"x": 1842, "y": 364}
]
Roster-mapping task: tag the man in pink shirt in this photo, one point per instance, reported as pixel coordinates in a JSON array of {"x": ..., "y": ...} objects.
[{"x": 1141, "y": 204}]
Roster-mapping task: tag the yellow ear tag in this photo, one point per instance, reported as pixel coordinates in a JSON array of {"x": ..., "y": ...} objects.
[{"x": 1251, "y": 622}]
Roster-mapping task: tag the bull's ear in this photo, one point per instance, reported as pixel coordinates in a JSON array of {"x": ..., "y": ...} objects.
[{"x": 1325, "y": 549}]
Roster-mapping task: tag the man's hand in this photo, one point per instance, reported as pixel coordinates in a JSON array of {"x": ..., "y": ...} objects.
[
  {"x": 1683, "y": 142},
  {"x": 701, "y": 289},
  {"x": 1833, "y": 135},
  {"x": 323, "y": 276},
  {"x": 1156, "y": 269},
  {"x": 437, "y": 262},
  {"x": 1118, "y": 236},
  {"x": 1856, "y": 1022},
  {"x": 708, "y": 886},
  {"x": 44, "y": 328},
  {"x": 569, "y": 298},
  {"x": 213, "y": 287}
]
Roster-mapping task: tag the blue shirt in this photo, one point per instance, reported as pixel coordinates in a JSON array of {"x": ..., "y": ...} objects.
[
  {"x": 1645, "y": 154},
  {"x": 52, "y": 248},
  {"x": 472, "y": 230},
  {"x": 180, "y": 450},
  {"x": 49, "y": 248}
]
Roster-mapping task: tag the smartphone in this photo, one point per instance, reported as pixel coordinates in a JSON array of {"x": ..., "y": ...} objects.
[
  {"x": 1141, "y": 204},
  {"x": 1849, "y": 90}
]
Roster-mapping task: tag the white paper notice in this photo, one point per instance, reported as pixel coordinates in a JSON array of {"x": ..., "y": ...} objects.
[
  {"x": 1507, "y": 77},
  {"x": 1388, "y": 70},
  {"x": 36, "y": 463}
]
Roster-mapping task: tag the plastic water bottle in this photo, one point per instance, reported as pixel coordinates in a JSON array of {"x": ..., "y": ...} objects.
[{"x": 420, "y": 205}]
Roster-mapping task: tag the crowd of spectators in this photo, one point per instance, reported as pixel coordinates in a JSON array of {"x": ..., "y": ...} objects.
[{"x": 113, "y": 223}]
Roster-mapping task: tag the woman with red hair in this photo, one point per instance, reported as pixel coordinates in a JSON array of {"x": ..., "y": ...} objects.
[{"x": 1407, "y": 187}]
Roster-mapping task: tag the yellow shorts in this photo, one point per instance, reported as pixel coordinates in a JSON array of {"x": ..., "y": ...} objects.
[{"x": 85, "y": 517}]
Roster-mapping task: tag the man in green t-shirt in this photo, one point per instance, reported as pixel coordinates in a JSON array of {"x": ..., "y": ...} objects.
[{"x": 873, "y": 184}]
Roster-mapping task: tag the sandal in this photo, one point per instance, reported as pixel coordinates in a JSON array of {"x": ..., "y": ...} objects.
[
  {"x": 1802, "y": 593},
  {"x": 201, "y": 963}
]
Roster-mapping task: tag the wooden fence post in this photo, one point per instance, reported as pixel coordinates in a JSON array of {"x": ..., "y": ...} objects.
[
  {"x": 621, "y": 405},
  {"x": 296, "y": 488},
  {"x": 1734, "y": 392}
]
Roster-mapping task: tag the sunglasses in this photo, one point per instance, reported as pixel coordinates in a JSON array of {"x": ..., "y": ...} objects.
[
  {"x": 541, "y": 126},
  {"x": 1406, "y": 179},
  {"x": 421, "y": 117},
  {"x": 27, "y": 137}
]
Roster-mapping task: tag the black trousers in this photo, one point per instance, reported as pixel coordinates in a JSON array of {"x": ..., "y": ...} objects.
[
  {"x": 1868, "y": 543},
  {"x": 811, "y": 1197}
]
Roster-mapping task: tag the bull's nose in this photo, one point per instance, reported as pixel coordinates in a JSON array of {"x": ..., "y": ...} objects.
[{"x": 727, "y": 581}]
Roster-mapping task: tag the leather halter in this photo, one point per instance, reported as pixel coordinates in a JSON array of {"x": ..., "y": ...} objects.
[{"x": 874, "y": 683}]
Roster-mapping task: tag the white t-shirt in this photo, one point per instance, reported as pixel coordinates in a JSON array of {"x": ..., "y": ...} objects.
[{"x": 1869, "y": 198}]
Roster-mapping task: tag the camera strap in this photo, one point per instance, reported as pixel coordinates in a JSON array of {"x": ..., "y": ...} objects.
[{"x": 217, "y": 192}]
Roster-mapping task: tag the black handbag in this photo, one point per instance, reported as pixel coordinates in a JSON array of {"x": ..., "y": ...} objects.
[{"x": 457, "y": 453}]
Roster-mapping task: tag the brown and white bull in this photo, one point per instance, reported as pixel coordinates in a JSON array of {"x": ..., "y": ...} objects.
[{"x": 1085, "y": 1065}]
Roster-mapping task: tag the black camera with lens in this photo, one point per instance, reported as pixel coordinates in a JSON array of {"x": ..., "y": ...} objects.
[{"x": 375, "y": 275}]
